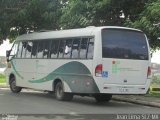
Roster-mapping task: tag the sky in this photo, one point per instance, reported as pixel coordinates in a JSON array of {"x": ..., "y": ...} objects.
[
  {"x": 7, "y": 46},
  {"x": 156, "y": 57}
]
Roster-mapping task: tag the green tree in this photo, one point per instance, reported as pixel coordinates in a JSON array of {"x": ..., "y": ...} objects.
[
  {"x": 149, "y": 22},
  {"x": 82, "y": 13},
  {"x": 33, "y": 15},
  {"x": 37, "y": 15},
  {"x": 8, "y": 8}
]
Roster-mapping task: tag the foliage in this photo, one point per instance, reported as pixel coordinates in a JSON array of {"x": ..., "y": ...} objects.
[
  {"x": 33, "y": 16},
  {"x": 155, "y": 79},
  {"x": 8, "y": 9},
  {"x": 24, "y": 16},
  {"x": 82, "y": 13},
  {"x": 153, "y": 94},
  {"x": 2, "y": 78},
  {"x": 149, "y": 22}
]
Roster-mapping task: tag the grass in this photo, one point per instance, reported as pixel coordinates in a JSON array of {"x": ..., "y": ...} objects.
[
  {"x": 153, "y": 94},
  {"x": 2, "y": 78}
]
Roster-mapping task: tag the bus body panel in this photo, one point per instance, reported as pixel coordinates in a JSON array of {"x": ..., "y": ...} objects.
[
  {"x": 40, "y": 70},
  {"x": 128, "y": 72}
]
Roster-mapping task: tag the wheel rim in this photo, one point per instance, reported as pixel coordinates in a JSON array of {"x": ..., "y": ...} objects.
[
  {"x": 59, "y": 91},
  {"x": 13, "y": 84}
]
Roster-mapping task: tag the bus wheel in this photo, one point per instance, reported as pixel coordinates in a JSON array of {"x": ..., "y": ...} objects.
[
  {"x": 60, "y": 94},
  {"x": 103, "y": 98},
  {"x": 148, "y": 91},
  {"x": 13, "y": 87}
]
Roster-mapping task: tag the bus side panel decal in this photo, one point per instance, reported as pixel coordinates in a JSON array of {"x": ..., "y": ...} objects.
[{"x": 76, "y": 75}]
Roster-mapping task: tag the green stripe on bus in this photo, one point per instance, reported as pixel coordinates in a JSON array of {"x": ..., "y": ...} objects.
[
  {"x": 76, "y": 75},
  {"x": 71, "y": 68}
]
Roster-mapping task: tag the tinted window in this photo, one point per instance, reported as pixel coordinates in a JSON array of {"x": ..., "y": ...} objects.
[
  {"x": 24, "y": 46},
  {"x": 40, "y": 49},
  {"x": 90, "y": 48},
  {"x": 83, "y": 48},
  {"x": 68, "y": 48},
  {"x": 46, "y": 49},
  {"x": 61, "y": 49},
  {"x": 54, "y": 49},
  {"x": 75, "y": 48},
  {"x": 29, "y": 49},
  {"x": 124, "y": 44},
  {"x": 34, "y": 49}
]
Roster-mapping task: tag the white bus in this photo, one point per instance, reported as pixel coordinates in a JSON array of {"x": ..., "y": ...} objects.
[{"x": 92, "y": 61}]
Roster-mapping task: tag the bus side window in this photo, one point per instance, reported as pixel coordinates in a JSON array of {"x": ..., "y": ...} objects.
[
  {"x": 29, "y": 49},
  {"x": 54, "y": 48},
  {"x": 68, "y": 48},
  {"x": 61, "y": 49},
  {"x": 40, "y": 49},
  {"x": 34, "y": 49},
  {"x": 19, "y": 50},
  {"x": 46, "y": 49},
  {"x": 14, "y": 50},
  {"x": 90, "y": 48},
  {"x": 24, "y": 46},
  {"x": 75, "y": 48},
  {"x": 83, "y": 48}
]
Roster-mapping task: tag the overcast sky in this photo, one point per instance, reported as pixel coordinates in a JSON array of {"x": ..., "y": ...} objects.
[{"x": 5, "y": 46}]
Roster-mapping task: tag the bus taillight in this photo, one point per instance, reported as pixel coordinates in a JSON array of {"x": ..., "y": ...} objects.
[
  {"x": 149, "y": 72},
  {"x": 98, "y": 70}
]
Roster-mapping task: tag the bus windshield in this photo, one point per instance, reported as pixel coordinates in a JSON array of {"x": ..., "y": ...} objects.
[{"x": 124, "y": 44}]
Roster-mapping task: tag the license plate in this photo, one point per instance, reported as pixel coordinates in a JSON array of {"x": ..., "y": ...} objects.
[{"x": 124, "y": 90}]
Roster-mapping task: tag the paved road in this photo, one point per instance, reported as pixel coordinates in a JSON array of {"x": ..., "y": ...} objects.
[{"x": 33, "y": 102}]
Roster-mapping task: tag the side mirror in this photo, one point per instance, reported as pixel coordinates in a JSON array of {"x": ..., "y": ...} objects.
[{"x": 7, "y": 55}]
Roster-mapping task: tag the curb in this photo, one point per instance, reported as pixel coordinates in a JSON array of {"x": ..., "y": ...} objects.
[
  {"x": 140, "y": 102},
  {"x": 3, "y": 85}
]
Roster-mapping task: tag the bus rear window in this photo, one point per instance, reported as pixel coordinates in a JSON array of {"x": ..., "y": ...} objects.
[{"x": 124, "y": 44}]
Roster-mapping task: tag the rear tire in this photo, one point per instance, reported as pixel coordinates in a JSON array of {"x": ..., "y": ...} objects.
[
  {"x": 103, "y": 98},
  {"x": 60, "y": 94},
  {"x": 13, "y": 87},
  {"x": 148, "y": 91}
]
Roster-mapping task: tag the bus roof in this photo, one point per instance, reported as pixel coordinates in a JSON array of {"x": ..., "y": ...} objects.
[{"x": 88, "y": 31}]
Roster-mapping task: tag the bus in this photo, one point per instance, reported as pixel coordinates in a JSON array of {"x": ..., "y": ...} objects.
[{"x": 92, "y": 61}]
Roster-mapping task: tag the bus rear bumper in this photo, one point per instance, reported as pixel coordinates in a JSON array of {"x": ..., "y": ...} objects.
[{"x": 124, "y": 89}]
